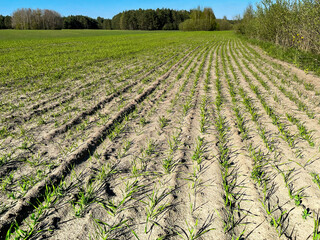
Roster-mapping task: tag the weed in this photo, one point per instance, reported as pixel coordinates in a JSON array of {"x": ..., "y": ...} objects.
[
  {"x": 316, "y": 179},
  {"x": 109, "y": 231},
  {"x": 316, "y": 233},
  {"x": 113, "y": 208},
  {"x": 297, "y": 200},
  {"x": 163, "y": 122},
  {"x": 4, "y": 132},
  {"x": 278, "y": 222},
  {"x": 105, "y": 172},
  {"x": 306, "y": 213},
  {"x": 192, "y": 233},
  {"x": 154, "y": 207},
  {"x": 85, "y": 197},
  {"x": 143, "y": 121},
  {"x": 186, "y": 107},
  {"x": 198, "y": 152},
  {"x": 309, "y": 86},
  {"x": 5, "y": 158},
  {"x": 151, "y": 148},
  {"x": 168, "y": 164}
]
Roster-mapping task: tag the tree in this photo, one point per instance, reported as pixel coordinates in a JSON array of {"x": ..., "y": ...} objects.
[
  {"x": 128, "y": 20},
  {"x": 200, "y": 20},
  {"x": 5, "y": 22},
  {"x": 289, "y": 23},
  {"x": 51, "y": 20},
  {"x": 26, "y": 18},
  {"x": 149, "y": 19},
  {"x": 104, "y": 23},
  {"x": 8, "y": 22},
  {"x": 115, "y": 22},
  {"x": 224, "y": 24},
  {"x": 80, "y": 22}
]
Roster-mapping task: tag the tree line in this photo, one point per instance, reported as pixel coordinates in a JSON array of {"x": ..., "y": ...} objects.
[
  {"x": 149, "y": 19},
  {"x": 200, "y": 20},
  {"x": 5, "y": 22},
  {"x": 159, "y": 19},
  {"x": 27, "y": 18},
  {"x": 289, "y": 23}
]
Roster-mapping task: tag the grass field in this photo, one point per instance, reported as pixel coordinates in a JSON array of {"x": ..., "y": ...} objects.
[
  {"x": 155, "y": 135},
  {"x": 13, "y": 35}
]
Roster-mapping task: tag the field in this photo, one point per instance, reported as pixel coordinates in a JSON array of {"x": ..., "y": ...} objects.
[{"x": 155, "y": 135}]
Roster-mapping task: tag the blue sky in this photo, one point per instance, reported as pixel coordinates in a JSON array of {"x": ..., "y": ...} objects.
[{"x": 107, "y": 8}]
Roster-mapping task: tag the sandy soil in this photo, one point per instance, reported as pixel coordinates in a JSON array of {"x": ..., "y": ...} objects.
[{"x": 144, "y": 157}]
